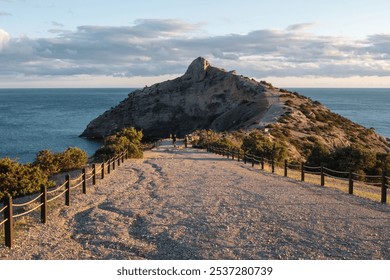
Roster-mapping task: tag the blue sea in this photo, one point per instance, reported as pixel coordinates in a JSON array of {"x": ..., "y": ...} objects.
[
  {"x": 32, "y": 120},
  {"x": 36, "y": 119}
]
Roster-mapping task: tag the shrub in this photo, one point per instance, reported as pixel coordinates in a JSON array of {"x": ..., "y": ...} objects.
[
  {"x": 256, "y": 143},
  {"x": 128, "y": 139},
  {"x": 52, "y": 163},
  {"x": 20, "y": 179}
]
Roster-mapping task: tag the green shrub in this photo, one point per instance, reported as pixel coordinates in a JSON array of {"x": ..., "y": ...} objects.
[
  {"x": 52, "y": 163},
  {"x": 128, "y": 139},
  {"x": 20, "y": 179},
  {"x": 256, "y": 143}
]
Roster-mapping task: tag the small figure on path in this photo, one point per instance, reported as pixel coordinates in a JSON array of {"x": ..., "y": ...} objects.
[{"x": 174, "y": 140}]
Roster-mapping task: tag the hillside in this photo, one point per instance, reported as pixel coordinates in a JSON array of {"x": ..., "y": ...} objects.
[{"x": 207, "y": 97}]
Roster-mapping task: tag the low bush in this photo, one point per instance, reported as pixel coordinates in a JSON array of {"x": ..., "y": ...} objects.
[
  {"x": 21, "y": 179},
  {"x": 128, "y": 139},
  {"x": 52, "y": 163}
]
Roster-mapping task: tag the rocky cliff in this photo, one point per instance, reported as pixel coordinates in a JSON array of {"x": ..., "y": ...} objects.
[{"x": 205, "y": 97}]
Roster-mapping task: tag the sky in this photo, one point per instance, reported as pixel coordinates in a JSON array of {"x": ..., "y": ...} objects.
[{"x": 124, "y": 43}]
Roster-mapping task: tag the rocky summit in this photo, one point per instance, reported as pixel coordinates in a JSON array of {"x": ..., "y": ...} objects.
[{"x": 205, "y": 97}]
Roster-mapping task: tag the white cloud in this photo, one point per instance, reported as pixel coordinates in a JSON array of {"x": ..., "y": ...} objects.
[
  {"x": 4, "y": 38},
  {"x": 154, "y": 47}
]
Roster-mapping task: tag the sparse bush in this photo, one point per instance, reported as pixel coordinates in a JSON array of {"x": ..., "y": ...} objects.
[{"x": 20, "y": 179}]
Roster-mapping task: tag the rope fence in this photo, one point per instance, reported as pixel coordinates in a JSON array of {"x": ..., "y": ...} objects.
[
  {"x": 42, "y": 198},
  {"x": 324, "y": 172}
]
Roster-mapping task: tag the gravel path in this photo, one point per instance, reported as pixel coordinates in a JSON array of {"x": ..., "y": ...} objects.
[{"x": 189, "y": 204}]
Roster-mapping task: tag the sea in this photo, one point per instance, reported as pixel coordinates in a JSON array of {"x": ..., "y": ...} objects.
[{"x": 32, "y": 120}]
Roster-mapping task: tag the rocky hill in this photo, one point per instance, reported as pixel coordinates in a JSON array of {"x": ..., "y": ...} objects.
[{"x": 206, "y": 97}]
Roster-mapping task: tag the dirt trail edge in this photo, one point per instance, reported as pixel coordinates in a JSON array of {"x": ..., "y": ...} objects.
[{"x": 190, "y": 204}]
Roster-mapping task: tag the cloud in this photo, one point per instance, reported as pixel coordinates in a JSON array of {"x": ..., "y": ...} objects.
[
  {"x": 154, "y": 47},
  {"x": 4, "y": 39},
  {"x": 3, "y": 14}
]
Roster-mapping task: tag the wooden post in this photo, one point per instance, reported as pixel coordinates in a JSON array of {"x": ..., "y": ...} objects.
[
  {"x": 383, "y": 188},
  {"x": 253, "y": 160},
  {"x": 103, "y": 169},
  {"x": 44, "y": 204},
  {"x": 262, "y": 163},
  {"x": 127, "y": 154},
  {"x": 119, "y": 161},
  {"x": 238, "y": 155},
  {"x": 67, "y": 187},
  {"x": 93, "y": 174},
  {"x": 84, "y": 177},
  {"x": 273, "y": 165},
  {"x": 350, "y": 184},
  {"x": 232, "y": 154},
  {"x": 9, "y": 224},
  {"x": 322, "y": 175},
  {"x": 109, "y": 166},
  {"x": 244, "y": 157},
  {"x": 285, "y": 168},
  {"x": 113, "y": 164},
  {"x": 302, "y": 171},
  {"x": 228, "y": 153},
  {"x": 123, "y": 157}
]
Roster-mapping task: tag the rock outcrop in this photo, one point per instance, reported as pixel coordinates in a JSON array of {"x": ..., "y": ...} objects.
[{"x": 205, "y": 97}]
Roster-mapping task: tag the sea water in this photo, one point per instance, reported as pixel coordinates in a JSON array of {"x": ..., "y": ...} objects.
[{"x": 32, "y": 120}]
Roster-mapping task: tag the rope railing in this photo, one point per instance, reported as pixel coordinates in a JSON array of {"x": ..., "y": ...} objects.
[
  {"x": 58, "y": 188},
  {"x": 63, "y": 190},
  {"x": 335, "y": 171},
  {"x": 27, "y": 212},
  {"x": 77, "y": 185},
  {"x": 322, "y": 171},
  {"x": 28, "y": 202},
  {"x": 57, "y": 196},
  {"x": 2, "y": 209},
  {"x": 3, "y": 222},
  {"x": 76, "y": 179},
  {"x": 335, "y": 177}
]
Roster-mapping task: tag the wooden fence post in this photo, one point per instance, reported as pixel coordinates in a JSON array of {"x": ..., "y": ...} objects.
[
  {"x": 44, "y": 204},
  {"x": 123, "y": 157},
  {"x": 383, "y": 188},
  {"x": 113, "y": 164},
  {"x": 302, "y": 171},
  {"x": 232, "y": 154},
  {"x": 67, "y": 187},
  {"x": 253, "y": 160},
  {"x": 93, "y": 174},
  {"x": 322, "y": 175},
  {"x": 272, "y": 165},
  {"x": 109, "y": 166},
  {"x": 285, "y": 168},
  {"x": 103, "y": 170},
  {"x": 350, "y": 182},
  {"x": 244, "y": 158},
  {"x": 9, "y": 224},
  {"x": 262, "y": 163},
  {"x": 84, "y": 177},
  {"x": 238, "y": 155},
  {"x": 119, "y": 161}
]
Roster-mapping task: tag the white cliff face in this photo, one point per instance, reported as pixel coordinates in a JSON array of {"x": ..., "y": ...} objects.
[{"x": 205, "y": 97}]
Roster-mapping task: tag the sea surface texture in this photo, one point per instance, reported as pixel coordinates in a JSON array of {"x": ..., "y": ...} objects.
[{"x": 36, "y": 119}]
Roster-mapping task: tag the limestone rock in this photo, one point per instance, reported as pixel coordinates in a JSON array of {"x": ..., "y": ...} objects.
[{"x": 205, "y": 97}]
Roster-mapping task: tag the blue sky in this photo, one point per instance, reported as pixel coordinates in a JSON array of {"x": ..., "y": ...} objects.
[{"x": 132, "y": 43}]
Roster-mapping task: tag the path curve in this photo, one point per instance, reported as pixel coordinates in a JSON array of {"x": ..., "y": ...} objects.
[{"x": 190, "y": 204}]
